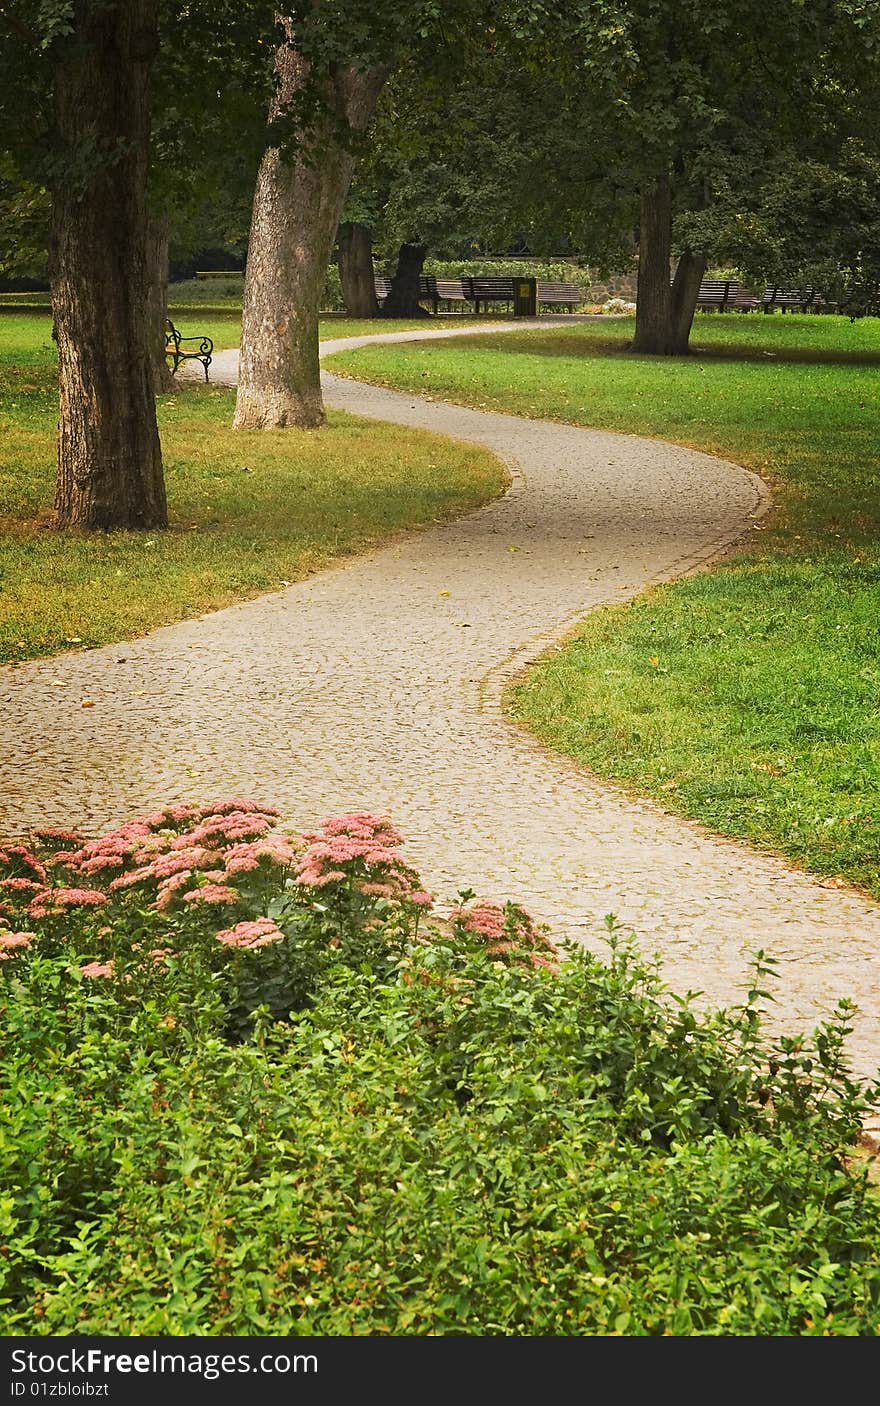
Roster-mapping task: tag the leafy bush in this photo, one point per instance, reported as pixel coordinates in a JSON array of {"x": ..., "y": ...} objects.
[
  {"x": 192, "y": 292},
  {"x": 550, "y": 270},
  {"x": 331, "y": 298},
  {"x": 301, "y": 1107}
]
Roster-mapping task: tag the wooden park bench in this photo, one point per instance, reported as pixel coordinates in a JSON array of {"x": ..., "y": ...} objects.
[
  {"x": 174, "y": 344},
  {"x": 725, "y": 295},
  {"x": 483, "y": 291},
  {"x": 440, "y": 290},
  {"x": 742, "y": 299},
  {"x": 712, "y": 296},
  {"x": 566, "y": 295},
  {"x": 792, "y": 299}
]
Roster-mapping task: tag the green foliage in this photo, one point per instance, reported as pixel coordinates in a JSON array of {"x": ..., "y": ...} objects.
[
  {"x": 448, "y": 1142},
  {"x": 551, "y": 270}
]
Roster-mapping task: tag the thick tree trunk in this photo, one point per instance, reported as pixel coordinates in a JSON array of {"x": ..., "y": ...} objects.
[
  {"x": 685, "y": 291},
  {"x": 297, "y": 204},
  {"x": 355, "y": 259},
  {"x": 158, "y": 238},
  {"x": 403, "y": 295},
  {"x": 109, "y": 458},
  {"x": 654, "y": 295}
]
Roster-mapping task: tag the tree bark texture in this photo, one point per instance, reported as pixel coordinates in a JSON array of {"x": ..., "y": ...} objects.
[
  {"x": 403, "y": 295},
  {"x": 355, "y": 258},
  {"x": 157, "y": 242},
  {"x": 109, "y": 457},
  {"x": 297, "y": 205},
  {"x": 654, "y": 295},
  {"x": 685, "y": 291},
  {"x": 664, "y": 311}
]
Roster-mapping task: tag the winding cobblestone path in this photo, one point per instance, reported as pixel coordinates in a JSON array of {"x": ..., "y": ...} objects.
[{"x": 376, "y": 685}]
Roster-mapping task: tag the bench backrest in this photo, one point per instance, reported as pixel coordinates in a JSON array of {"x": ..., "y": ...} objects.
[
  {"x": 714, "y": 290},
  {"x": 791, "y": 297},
  {"x": 559, "y": 292},
  {"x": 450, "y": 288},
  {"x": 444, "y": 289},
  {"x": 742, "y": 297},
  {"x": 487, "y": 287}
]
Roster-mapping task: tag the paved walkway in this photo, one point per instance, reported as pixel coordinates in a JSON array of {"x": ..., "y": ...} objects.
[{"x": 376, "y": 685}]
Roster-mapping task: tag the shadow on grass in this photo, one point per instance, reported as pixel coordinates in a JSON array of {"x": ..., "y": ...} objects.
[{"x": 586, "y": 344}]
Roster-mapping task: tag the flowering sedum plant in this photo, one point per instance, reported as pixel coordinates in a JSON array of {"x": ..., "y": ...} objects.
[
  {"x": 249, "y": 1089},
  {"x": 225, "y": 906}
]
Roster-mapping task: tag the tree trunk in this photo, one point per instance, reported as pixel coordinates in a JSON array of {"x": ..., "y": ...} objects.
[
  {"x": 685, "y": 291},
  {"x": 297, "y": 204},
  {"x": 158, "y": 238},
  {"x": 355, "y": 259},
  {"x": 654, "y": 295},
  {"x": 109, "y": 458},
  {"x": 403, "y": 295}
]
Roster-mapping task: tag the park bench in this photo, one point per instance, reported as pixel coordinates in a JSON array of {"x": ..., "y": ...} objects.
[
  {"x": 382, "y": 286},
  {"x": 566, "y": 295},
  {"x": 440, "y": 290},
  {"x": 488, "y": 290},
  {"x": 725, "y": 295},
  {"x": 174, "y": 344},
  {"x": 792, "y": 299},
  {"x": 712, "y": 296},
  {"x": 742, "y": 299}
]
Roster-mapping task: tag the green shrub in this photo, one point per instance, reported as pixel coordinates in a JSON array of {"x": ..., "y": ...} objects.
[
  {"x": 439, "y": 1129},
  {"x": 551, "y": 270}
]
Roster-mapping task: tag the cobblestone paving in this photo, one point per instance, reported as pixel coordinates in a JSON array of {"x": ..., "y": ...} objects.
[{"x": 376, "y": 685}]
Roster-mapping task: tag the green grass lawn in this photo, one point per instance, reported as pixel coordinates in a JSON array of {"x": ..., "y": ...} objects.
[
  {"x": 745, "y": 697},
  {"x": 250, "y": 511}
]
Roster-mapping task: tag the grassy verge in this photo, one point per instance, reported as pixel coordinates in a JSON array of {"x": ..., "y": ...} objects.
[
  {"x": 250, "y": 511},
  {"x": 745, "y": 697}
]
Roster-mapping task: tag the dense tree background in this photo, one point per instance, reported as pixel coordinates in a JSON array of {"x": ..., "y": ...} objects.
[{"x": 743, "y": 135}]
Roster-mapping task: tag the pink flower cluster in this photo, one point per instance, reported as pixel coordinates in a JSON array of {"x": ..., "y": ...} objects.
[
  {"x": 50, "y": 902},
  {"x": 272, "y": 850},
  {"x": 211, "y": 893},
  {"x": 53, "y": 835},
  {"x": 166, "y": 866},
  {"x": 248, "y": 936},
  {"x": 186, "y": 852},
  {"x": 206, "y": 858},
  {"x": 231, "y": 828},
  {"x": 12, "y": 942},
  {"x": 360, "y": 850},
  {"x": 43, "y": 901},
  {"x": 18, "y": 857},
  {"x": 97, "y": 969},
  {"x": 508, "y": 932}
]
